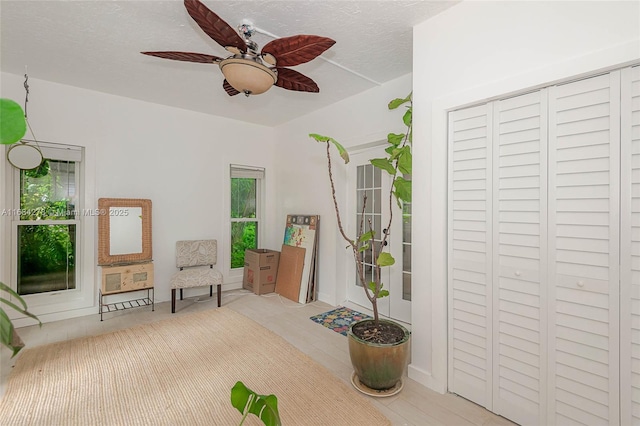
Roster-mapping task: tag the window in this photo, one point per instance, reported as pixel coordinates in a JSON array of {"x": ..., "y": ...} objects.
[
  {"x": 246, "y": 185},
  {"x": 46, "y": 223}
]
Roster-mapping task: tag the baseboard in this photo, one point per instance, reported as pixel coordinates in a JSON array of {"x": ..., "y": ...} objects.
[
  {"x": 426, "y": 379},
  {"x": 56, "y": 316}
]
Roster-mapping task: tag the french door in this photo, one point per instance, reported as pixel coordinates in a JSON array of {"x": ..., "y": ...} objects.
[{"x": 366, "y": 180}]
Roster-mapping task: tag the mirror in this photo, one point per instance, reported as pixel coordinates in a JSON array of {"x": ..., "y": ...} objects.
[
  {"x": 23, "y": 156},
  {"x": 124, "y": 230}
]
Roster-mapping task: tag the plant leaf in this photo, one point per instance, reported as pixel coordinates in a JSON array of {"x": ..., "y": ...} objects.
[
  {"x": 384, "y": 164},
  {"x": 407, "y": 117},
  {"x": 398, "y": 101},
  {"x": 366, "y": 236},
  {"x": 4, "y": 287},
  {"x": 372, "y": 286},
  {"x": 264, "y": 406},
  {"x": 403, "y": 189},
  {"x": 8, "y": 335},
  {"x": 22, "y": 310},
  {"x": 395, "y": 139},
  {"x": 363, "y": 248},
  {"x": 404, "y": 162},
  {"x": 13, "y": 124},
  {"x": 343, "y": 152},
  {"x": 383, "y": 293},
  {"x": 17, "y": 308},
  {"x": 385, "y": 259}
]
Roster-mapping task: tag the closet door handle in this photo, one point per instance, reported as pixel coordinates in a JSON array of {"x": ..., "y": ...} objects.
[
  {"x": 518, "y": 273},
  {"x": 580, "y": 283}
]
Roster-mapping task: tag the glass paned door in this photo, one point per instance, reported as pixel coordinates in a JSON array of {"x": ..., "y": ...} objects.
[{"x": 372, "y": 183}]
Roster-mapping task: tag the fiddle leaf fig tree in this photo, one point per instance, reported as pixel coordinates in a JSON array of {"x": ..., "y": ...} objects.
[{"x": 397, "y": 164}]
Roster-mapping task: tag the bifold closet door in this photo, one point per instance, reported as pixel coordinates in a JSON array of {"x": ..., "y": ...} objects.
[
  {"x": 630, "y": 248},
  {"x": 470, "y": 242},
  {"x": 520, "y": 257},
  {"x": 584, "y": 184}
]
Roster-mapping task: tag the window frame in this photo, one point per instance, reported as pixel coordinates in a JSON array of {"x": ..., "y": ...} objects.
[
  {"x": 56, "y": 152},
  {"x": 251, "y": 172}
]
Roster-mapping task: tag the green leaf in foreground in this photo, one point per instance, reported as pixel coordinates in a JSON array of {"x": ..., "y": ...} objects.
[
  {"x": 8, "y": 335},
  {"x": 13, "y": 125},
  {"x": 265, "y": 407}
]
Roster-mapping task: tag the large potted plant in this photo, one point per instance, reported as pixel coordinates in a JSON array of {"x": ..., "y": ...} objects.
[{"x": 379, "y": 348}]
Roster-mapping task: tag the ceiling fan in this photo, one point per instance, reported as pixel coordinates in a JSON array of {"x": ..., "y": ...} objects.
[{"x": 248, "y": 70}]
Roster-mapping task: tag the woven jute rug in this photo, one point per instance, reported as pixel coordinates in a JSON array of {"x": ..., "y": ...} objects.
[{"x": 178, "y": 371}]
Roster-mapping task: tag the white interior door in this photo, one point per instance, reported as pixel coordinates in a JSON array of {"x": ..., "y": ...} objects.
[
  {"x": 470, "y": 255},
  {"x": 364, "y": 179},
  {"x": 520, "y": 257},
  {"x": 630, "y": 248},
  {"x": 584, "y": 215}
]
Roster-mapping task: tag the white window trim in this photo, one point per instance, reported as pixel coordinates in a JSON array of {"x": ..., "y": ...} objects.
[{"x": 52, "y": 305}]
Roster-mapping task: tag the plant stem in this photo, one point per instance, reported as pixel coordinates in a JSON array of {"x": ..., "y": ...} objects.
[
  {"x": 246, "y": 409},
  {"x": 353, "y": 244}
]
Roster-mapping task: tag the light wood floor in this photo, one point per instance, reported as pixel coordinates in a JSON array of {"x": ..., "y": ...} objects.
[{"x": 415, "y": 405}]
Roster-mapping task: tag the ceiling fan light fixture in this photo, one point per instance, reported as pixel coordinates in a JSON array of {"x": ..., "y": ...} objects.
[{"x": 247, "y": 74}]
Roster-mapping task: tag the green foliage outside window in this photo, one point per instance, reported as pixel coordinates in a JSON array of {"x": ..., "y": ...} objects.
[
  {"x": 244, "y": 233},
  {"x": 243, "y": 236},
  {"x": 46, "y": 252}
]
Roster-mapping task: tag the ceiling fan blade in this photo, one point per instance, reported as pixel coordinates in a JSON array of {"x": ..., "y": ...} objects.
[
  {"x": 229, "y": 89},
  {"x": 295, "y": 50},
  {"x": 185, "y": 56},
  {"x": 293, "y": 80},
  {"x": 214, "y": 26}
]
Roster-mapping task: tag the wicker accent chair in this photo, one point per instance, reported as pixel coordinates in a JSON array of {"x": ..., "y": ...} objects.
[{"x": 196, "y": 260}]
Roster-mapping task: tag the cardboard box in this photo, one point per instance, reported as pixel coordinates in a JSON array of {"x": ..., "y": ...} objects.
[{"x": 260, "y": 270}]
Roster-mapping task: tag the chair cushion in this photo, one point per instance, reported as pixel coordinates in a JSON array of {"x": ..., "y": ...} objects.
[
  {"x": 196, "y": 277},
  {"x": 196, "y": 253}
]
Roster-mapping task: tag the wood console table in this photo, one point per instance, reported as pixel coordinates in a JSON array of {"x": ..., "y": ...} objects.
[{"x": 126, "y": 279}]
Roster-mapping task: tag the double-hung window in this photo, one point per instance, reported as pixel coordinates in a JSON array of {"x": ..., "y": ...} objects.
[
  {"x": 246, "y": 211},
  {"x": 46, "y": 222}
]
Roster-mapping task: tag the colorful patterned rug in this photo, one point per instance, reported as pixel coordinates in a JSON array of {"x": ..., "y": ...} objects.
[{"x": 339, "y": 319}]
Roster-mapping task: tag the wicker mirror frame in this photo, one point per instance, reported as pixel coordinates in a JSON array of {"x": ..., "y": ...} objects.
[{"x": 104, "y": 231}]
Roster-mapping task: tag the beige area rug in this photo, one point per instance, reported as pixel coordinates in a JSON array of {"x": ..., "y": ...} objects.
[{"x": 176, "y": 372}]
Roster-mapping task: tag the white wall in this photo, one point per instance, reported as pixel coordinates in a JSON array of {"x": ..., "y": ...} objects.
[
  {"x": 473, "y": 52},
  {"x": 303, "y": 183},
  {"x": 177, "y": 158}
]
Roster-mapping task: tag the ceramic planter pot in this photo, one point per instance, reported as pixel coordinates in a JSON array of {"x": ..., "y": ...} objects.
[{"x": 379, "y": 366}]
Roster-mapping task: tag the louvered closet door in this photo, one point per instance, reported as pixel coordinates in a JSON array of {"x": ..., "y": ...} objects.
[
  {"x": 630, "y": 248},
  {"x": 519, "y": 257},
  {"x": 470, "y": 304},
  {"x": 584, "y": 251}
]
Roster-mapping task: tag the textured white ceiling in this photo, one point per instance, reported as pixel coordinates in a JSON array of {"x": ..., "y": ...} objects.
[{"x": 95, "y": 44}]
